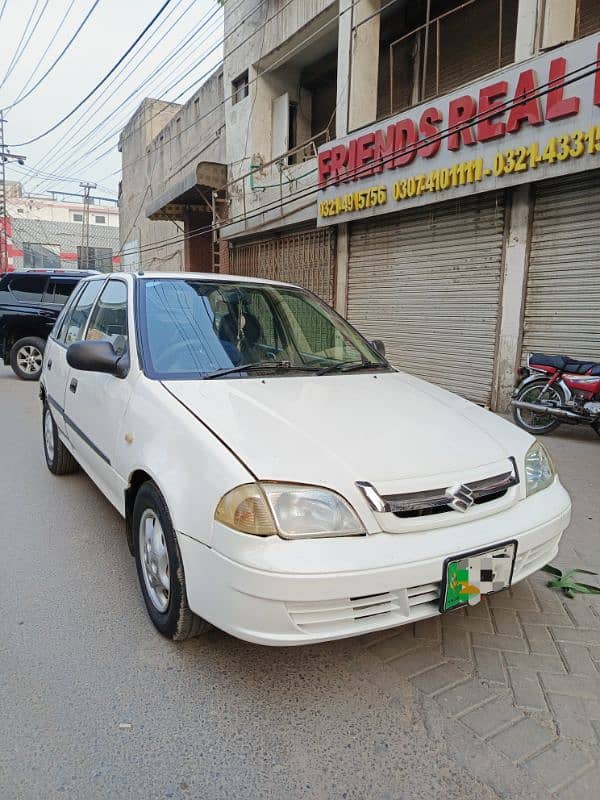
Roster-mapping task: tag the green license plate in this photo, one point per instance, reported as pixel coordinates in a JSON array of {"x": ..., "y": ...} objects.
[{"x": 467, "y": 577}]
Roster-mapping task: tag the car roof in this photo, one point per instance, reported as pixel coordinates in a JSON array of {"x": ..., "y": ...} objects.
[
  {"x": 210, "y": 276},
  {"x": 56, "y": 273}
]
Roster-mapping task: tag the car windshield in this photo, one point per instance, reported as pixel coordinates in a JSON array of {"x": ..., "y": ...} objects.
[{"x": 194, "y": 328}]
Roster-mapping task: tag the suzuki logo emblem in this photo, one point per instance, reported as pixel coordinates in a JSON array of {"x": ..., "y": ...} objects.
[{"x": 460, "y": 497}]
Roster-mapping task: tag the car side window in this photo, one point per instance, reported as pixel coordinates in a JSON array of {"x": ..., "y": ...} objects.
[
  {"x": 58, "y": 291},
  {"x": 76, "y": 317},
  {"x": 27, "y": 288},
  {"x": 108, "y": 322}
]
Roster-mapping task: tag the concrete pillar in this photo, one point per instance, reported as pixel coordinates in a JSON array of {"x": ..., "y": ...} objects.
[
  {"x": 559, "y": 22},
  {"x": 516, "y": 253},
  {"x": 365, "y": 64},
  {"x": 514, "y": 286},
  {"x": 343, "y": 67},
  {"x": 527, "y": 23},
  {"x": 341, "y": 275}
]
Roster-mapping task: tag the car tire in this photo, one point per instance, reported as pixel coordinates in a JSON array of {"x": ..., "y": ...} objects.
[
  {"x": 26, "y": 358},
  {"x": 528, "y": 393},
  {"x": 160, "y": 567},
  {"x": 58, "y": 459}
]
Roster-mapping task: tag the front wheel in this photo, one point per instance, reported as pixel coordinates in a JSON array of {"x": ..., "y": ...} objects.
[
  {"x": 160, "y": 568},
  {"x": 536, "y": 422},
  {"x": 27, "y": 357}
]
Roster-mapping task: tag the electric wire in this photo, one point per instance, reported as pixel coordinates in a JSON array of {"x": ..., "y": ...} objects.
[
  {"x": 17, "y": 53},
  {"x": 101, "y": 82},
  {"x": 84, "y": 119},
  {"x": 21, "y": 96},
  {"x": 176, "y": 53},
  {"x": 210, "y": 71},
  {"x": 180, "y": 48},
  {"x": 200, "y": 79}
]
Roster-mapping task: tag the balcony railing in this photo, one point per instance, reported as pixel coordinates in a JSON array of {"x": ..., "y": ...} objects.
[{"x": 449, "y": 50}]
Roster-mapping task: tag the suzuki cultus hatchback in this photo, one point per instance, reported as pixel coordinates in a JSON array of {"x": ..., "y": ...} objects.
[{"x": 278, "y": 477}]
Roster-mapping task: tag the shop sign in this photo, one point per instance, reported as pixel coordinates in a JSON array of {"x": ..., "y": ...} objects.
[{"x": 536, "y": 120}]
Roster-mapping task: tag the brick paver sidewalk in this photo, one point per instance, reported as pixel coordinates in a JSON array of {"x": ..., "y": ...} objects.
[{"x": 521, "y": 670}]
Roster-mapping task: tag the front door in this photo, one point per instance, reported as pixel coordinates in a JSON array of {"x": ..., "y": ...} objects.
[
  {"x": 95, "y": 403},
  {"x": 68, "y": 329}
]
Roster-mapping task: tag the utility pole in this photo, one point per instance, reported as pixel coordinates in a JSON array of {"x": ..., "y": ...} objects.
[
  {"x": 5, "y": 158},
  {"x": 85, "y": 230}
]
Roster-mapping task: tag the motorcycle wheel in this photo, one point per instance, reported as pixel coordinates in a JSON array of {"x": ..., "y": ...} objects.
[{"x": 532, "y": 421}]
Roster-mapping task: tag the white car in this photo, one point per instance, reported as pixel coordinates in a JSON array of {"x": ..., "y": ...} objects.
[{"x": 278, "y": 478}]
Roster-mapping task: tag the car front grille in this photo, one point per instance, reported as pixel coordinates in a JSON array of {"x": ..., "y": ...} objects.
[
  {"x": 358, "y": 614},
  {"x": 439, "y": 501}
]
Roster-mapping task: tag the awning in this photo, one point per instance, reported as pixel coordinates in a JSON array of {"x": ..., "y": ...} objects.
[{"x": 190, "y": 194}]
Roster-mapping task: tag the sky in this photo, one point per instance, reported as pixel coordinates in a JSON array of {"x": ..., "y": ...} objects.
[{"x": 77, "y": 150}]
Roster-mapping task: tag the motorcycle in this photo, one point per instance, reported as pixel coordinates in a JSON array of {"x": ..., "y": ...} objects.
[{"x": 555, "y": 389}]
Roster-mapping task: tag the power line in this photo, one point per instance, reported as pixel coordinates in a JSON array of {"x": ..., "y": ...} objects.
[
  {"x": 544, "y": 89},
  {"x": 208, "y": 73},
  {"x": 16, "y": 54},
  {"x": 102, "y": 81},
  {"x": 2, "y": 9},
  {"x": 179, "y": 79},
  {"x": 175, "y": 53},
  {"x": 84, "y": 119},
  {"x": 22, "y": 96}
]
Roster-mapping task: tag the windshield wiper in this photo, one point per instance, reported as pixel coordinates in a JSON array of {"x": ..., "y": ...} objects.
[
  {"x": 349, "y": 366},
  {"x": 256, "y": 365}
]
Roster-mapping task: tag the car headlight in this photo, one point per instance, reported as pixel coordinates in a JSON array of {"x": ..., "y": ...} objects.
[
  {"x": 288, "y": 510},
  {"x": 539, "y": 470}
]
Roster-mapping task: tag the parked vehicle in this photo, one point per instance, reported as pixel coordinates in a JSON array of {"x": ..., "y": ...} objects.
[
  {"x": 555, "y": 389},
  {"x": 30, "y": 302},
  {"x": 278, "y": 478}
]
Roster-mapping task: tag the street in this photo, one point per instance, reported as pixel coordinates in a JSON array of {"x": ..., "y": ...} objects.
[{"x": 499, "y": 702}]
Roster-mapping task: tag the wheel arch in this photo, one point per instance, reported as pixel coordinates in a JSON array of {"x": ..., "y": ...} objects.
[{"x": 136, "y": 480}]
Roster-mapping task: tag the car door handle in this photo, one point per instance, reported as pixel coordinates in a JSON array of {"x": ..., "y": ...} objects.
[
  {"x": 49, "y": 363},
  {"x": 73, "y": 385}
]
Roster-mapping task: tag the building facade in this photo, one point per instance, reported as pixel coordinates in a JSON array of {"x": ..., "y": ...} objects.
[
  {"x": 430, "y": 168},
  {"x": 49, "y": 233}
]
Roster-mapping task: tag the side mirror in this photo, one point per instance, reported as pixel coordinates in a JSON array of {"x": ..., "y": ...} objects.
[
  {"x": 379, "y": 347},
  {"x": 94, "y": 356}
]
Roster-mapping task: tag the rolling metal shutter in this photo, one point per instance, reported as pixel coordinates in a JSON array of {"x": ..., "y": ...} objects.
[
  {"x": 562, "y": 308},
  {"x": 427, "y": 282},
  {"x": 305, "y": 258}
]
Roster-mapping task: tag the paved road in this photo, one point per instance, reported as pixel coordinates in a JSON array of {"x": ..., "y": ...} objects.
[{"x": 95, "y": 704}]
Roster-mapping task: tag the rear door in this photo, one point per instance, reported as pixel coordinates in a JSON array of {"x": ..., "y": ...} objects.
[{"x": 69, "y": 328}]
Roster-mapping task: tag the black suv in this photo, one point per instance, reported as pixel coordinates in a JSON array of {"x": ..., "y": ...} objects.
[{"x": 30, "y": 302}]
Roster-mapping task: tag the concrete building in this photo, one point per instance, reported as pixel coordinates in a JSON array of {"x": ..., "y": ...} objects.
[
  {"x": 48, "y": 232},
  {"x": 430, "y": 168},
  {"x": 173, "y": 157}
]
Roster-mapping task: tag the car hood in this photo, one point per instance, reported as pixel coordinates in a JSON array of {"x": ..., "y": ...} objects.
[{"x": 331, "y": 430}]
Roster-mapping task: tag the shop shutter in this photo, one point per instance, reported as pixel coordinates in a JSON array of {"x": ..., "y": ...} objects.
[
  {"x": 304, "y": 257},
  {"x": 427, "y": 282},
  {"x": 562, "y": 308}
]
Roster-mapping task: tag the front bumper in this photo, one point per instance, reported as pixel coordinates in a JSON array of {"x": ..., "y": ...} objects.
[{"x": 276, "y": 592}]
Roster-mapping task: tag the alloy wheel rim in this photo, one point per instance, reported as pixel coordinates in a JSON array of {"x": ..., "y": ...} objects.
[
  {"x": 49, "y": 436},
  {"x": 154, "y": 560},
  {"x": 533, "y": 419},
  {"x": 29, "y": 359}
]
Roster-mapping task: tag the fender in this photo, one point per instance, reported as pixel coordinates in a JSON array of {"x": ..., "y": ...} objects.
[{"x": 535, "y": 376}]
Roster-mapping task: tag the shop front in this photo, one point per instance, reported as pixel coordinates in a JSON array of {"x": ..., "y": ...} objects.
[{"x": 427, "y": 198}]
